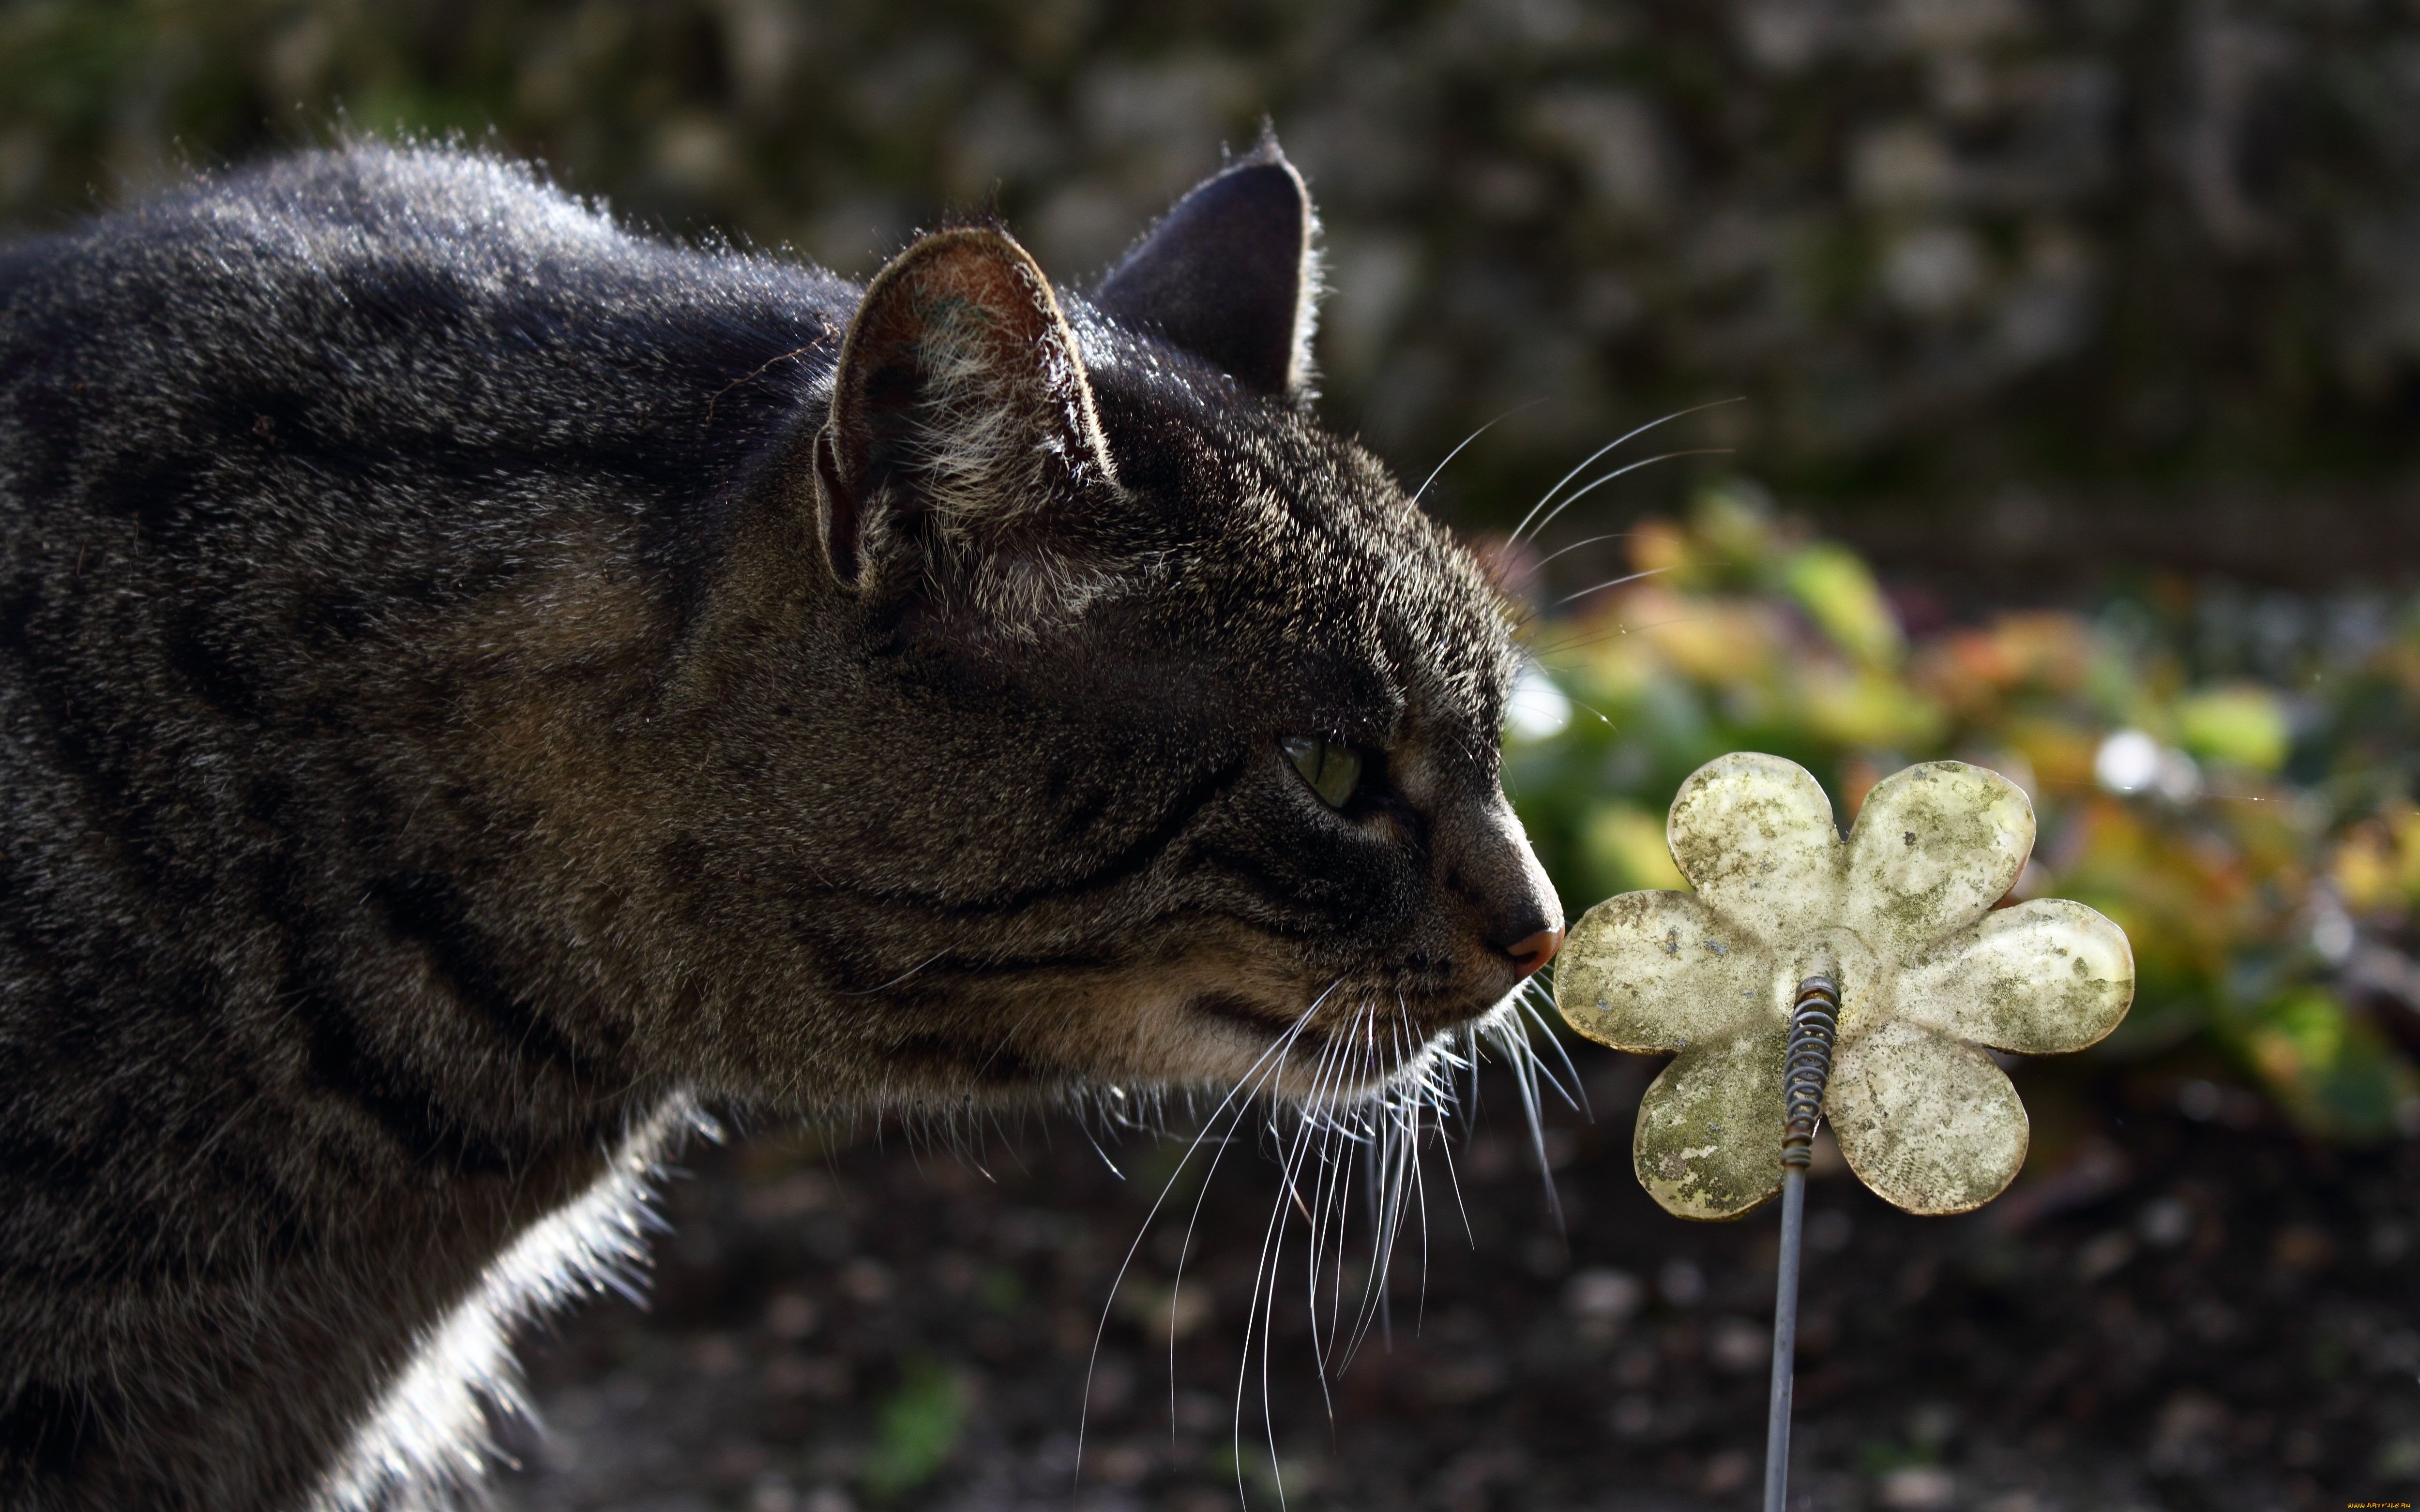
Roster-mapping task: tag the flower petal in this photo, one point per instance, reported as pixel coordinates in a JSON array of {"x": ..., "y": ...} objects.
[
  {"x": 1709, "y": 1139},
  {"x": 1754, "y": 835},
  {"x": 1655, "y": 971},
  {"x": 1930, "y": 1124},
  {"x": 1934, "y": 847},
  {"x": 2042, "y": 977}
]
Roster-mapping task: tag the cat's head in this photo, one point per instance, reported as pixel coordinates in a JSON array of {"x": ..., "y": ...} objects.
[{"x": 1144, "y": 730}]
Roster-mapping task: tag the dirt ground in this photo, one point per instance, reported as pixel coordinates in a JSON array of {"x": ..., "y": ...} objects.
[{"x": 2180, "y": 1305}]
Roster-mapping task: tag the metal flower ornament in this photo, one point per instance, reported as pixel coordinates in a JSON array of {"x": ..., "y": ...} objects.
[{"x": 1859, "y": 980}]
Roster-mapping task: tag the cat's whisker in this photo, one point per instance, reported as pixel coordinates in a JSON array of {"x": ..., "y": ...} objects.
[
  {"x": 1263, "y": 1278},
  {"x": 1610, "y": 582},
  {"x": 1374, "y": 1179},
  {"x": 1315, "y": 1251},
  {"x": 1598, "y": 715},
  {"x": 1393, "y": 1154},
  {"x": 1376, "y": 1088},
  {"x": 1369, "y": 1136},
  {"x": 1593, "y": 540},
  {"x": 1192, "y": 1223},
  {"x": 1400, "y": 1139},
  {"x": 1240, "y": 1096},
  {"x": 1624, "y": 471},
  {"x": 1532, "y": 993},
  {"x": 1262, "y": 1307},
  {"x": 1558, "y": 648},
  {"x": 1323, "y": 1204},
  {"x": 1317, "y": 1137},
  {"x": 1589, "y": 460},
  {"x": 1421, "y": 492},
  {"x": 1338, "y": 1110},
  {"x": 1098, "y": 1150},
  {"x": 1511, "y": 1032},
  {"x": 1371, "y": 1066},
  {"x": 1563, "y": 648},
  {"x": 1454, "y": 1182},
  {"x": 1376, "y": 1155},
  {"x": 1421, "y": 1190}
]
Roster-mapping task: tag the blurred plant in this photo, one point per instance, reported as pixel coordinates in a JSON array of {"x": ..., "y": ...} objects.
[
  {"x": 917, "y": 1429},
  {"x": 2254, "y": 834}
]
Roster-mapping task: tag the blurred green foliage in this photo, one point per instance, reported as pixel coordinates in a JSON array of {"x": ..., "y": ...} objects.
[
  {"x": 915, "y": 1432},
  {"x": 1946, "y": 247},
  {"x": 2255, "y": 839}
]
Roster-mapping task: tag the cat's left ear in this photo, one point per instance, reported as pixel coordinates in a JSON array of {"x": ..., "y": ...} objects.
[
  {"x": 1230, "y": 274},
  {"x": 962, "y": 438}
]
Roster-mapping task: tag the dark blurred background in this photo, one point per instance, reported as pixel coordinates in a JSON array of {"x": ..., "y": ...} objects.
[
  {"x": 2111, "y": 304},
  {"x": 2012, "y": 287}
]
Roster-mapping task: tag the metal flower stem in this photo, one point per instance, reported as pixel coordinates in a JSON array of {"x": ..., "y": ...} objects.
[{"x": 1806, "y": 1068}]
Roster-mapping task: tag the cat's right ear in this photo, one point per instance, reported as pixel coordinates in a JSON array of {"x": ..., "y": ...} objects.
[
  {"x": 962, "y": 433},
  {"x": 1231, "y": 275}
]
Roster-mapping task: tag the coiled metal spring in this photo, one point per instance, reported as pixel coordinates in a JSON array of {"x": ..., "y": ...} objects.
[{"x": 1807, "y": 1066}]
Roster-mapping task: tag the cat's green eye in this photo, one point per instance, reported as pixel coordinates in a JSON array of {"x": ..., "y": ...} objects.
[{"x": 1331, "y": 768}]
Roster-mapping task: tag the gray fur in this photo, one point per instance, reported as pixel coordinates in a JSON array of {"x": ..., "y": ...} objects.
[{"x": 477, "y": 684}]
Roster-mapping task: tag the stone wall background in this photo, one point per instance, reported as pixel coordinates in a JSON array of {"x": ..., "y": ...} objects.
[{"x": 2012, "y": 287}]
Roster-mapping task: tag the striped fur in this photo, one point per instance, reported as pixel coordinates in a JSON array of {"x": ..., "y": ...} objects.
[{"x": 477, "y": 684}]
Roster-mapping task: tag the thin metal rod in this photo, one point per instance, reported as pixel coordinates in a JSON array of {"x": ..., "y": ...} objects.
[
  {"x": 1785, "y": 1341},
  {"x": 1806, "y": 1068}
]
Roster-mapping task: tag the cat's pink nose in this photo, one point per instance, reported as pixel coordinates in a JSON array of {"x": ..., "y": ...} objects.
[{"x": 1536, "y": 950}]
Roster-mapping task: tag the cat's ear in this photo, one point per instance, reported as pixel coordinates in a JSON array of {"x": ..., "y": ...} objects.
[
  {"x": 1230, "y": 274},
  {"x": 961, "y": 421}
]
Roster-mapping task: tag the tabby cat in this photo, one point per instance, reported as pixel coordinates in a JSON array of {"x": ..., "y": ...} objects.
[{"x": 477, "y": 685}]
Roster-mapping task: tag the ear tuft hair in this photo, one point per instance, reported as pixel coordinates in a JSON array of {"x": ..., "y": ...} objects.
[{"x": 962, "y": 437}]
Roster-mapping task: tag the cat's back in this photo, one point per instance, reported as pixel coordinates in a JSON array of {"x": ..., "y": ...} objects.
[
  {"x": 268, "y": 444},
  {"x": 429, "y": 313}
]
